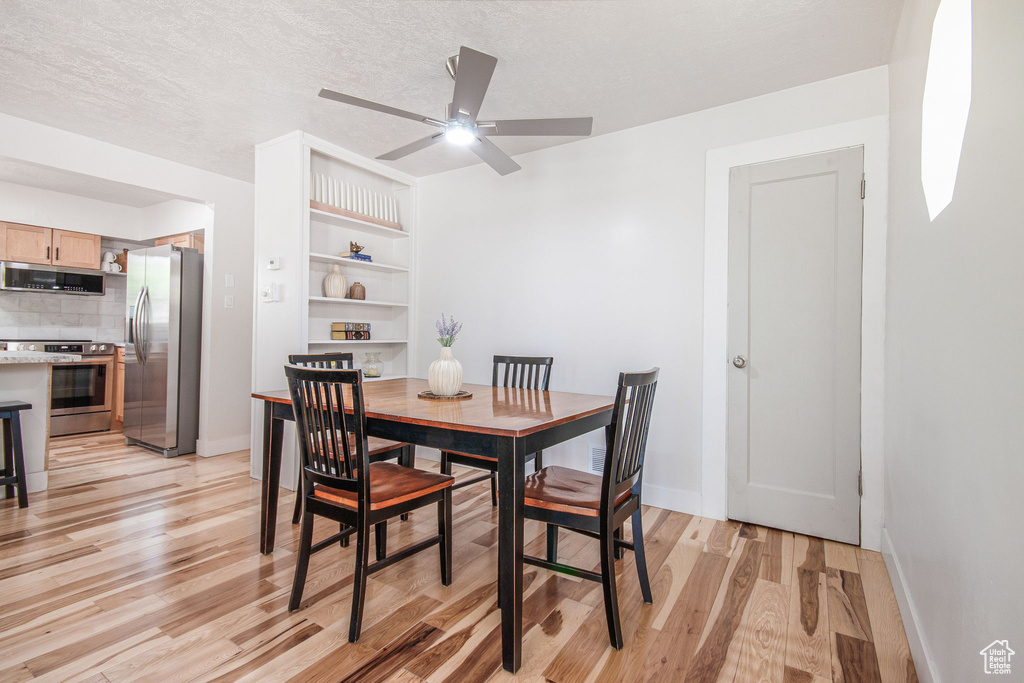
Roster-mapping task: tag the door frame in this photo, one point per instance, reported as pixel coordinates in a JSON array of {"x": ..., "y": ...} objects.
[{"x": 873, "y": 134}]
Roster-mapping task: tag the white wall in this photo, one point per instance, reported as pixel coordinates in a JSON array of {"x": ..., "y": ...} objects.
[
  {"x": 954, "y": 367},
  {"x": 227, "y": 333},
  {"x": 173, "y": 217},
  {"x": 49, "y": 209},
  {"x": 593, "y": 254}
]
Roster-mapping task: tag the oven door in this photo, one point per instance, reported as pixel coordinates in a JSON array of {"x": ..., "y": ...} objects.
[{"x": 83, "y": 387}]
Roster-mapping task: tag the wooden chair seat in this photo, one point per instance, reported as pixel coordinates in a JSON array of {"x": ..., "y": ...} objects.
[
  {"x": 390, "y": 484},
  {"x": 565, "y": 490}
]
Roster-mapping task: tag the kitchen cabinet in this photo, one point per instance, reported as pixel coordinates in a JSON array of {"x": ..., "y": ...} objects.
[
  {"x": 76, "y": 250},
  {"x": 189, "y": 240},
  {"x": 25, "y": 243},
  {"x": 117, "y": 414},
  {"x": 47, "y": 246}
]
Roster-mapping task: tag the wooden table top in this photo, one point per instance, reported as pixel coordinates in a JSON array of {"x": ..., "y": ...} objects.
[{"x": 491, "y": 410}]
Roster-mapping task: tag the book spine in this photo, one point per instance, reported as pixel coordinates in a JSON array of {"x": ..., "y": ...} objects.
[
  {"x": 350, "y": 335},
  {"x": 350, "y": 327}
]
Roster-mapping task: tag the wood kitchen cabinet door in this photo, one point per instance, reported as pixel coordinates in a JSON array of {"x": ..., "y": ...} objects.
[
  {"x": 188, "y": 239},
  {"x": 25, "y": 243},
  {"x": 76, "y": 250}
]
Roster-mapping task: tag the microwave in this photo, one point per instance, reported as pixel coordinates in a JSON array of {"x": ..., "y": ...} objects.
[{"x": 24, "y": 277}]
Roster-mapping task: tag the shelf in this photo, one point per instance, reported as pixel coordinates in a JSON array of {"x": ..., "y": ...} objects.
[
  {"x": 358, "y": 341},
  {"x": 355, "y": 224},
  {"x": 369, "y": 265},
  {"x": 355, "y": 302}
]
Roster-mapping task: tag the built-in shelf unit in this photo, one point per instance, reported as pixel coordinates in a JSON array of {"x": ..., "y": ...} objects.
[{"x": 298, "y": 240}]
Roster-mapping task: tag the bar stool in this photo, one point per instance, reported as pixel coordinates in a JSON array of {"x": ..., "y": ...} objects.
[{"x": 14, "y": 456}]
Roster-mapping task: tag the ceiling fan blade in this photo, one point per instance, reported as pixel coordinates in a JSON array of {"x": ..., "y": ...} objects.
[
  {"x": 406, "y": 150},
  {"x": 376, "y": 106},
  {"x": 577, "y": 126},
  {"x": 471, "y": 80},
  {"x": 494, "y": 157}
]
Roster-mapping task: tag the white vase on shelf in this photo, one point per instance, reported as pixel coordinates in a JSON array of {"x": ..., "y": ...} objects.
[
  {"x": 445, "y": 374},
  {"x": 335, "y": 284}
]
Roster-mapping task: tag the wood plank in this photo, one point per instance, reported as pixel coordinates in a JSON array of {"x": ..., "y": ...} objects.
[
  {"x": 847, "y": 608},
  {"x": 762, "y": 636},
  {"x": 809, "y": 553},
  {"x": 854, "y": 660},
  {"x": 895, "y": 662},
  {"x": 722, "y": 538},
  {"x": 711, "y": 656},
  {"x": 841, "y": 556},
  {"x": 808, "y": 644},
  {"x": 771, "y": 559},
  {"x": 670, "y": 655}
]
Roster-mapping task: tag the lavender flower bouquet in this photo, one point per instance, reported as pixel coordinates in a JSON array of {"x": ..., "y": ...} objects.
[{"x": 447, "y": 329}]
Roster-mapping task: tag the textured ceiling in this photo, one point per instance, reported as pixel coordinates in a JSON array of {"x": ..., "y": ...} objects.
[
  {"x": 69, "y": 182},
  {"x": 202, "y": 81}
]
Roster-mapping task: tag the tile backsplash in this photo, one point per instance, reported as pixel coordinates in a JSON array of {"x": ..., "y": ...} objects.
[{"x": 42, "y": 315}]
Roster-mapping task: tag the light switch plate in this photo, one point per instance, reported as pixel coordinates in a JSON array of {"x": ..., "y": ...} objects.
[
  {"x": 274, "y": 263},
  {"x": 270, "y": 292},
  {"x": 229, "y": 301},
  {"x": 229, "y": 279}
]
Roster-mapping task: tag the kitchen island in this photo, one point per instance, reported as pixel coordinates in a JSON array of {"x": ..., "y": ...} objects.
[{"x": 25, "y": 376}]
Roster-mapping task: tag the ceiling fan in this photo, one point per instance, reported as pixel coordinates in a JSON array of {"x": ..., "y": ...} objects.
[{"x": 472, "y": 72}]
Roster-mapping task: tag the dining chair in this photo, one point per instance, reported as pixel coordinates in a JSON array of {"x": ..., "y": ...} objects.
[
  {"x": 518, "y": 372},
  {"x": 380, "y": 449},
  {"x": 598, "y": 506},
  {"x": 340, "y": 483}
]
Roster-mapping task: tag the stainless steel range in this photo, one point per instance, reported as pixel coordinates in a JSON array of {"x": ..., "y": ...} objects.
[{"x": 82, "y": 393}]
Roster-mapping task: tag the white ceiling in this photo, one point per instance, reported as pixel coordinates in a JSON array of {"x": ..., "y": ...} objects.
[
  {"x": 60, "y": 180},
  {"x": 202, "y": 81}
]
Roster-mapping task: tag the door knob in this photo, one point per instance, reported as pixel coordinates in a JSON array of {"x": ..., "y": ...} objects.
[{"x": 739, "y": 361}]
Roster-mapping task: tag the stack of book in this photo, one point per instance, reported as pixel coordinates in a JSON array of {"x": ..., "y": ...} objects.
[
  {"x": 350, "y": 331},
  {"x": 355, "y": 256}
]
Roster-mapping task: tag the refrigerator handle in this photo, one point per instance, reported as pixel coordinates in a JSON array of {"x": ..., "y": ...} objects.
[
  {"x": 140, "y": 326},
  {"x": 133, "y": 328}
]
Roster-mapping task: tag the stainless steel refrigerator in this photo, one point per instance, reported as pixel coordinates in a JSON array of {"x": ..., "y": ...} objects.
[{"x": 162, "y": 353}]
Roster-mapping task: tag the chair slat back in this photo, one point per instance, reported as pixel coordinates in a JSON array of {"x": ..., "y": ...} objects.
[
  {"x": 318, "y": 399},
  {"x": 522, "y": 372},
  {"x": 322, "y": 360},
  {"x": 627, "y": 433}
]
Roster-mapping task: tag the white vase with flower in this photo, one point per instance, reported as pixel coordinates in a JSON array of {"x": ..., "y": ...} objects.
[{"x": 445, "y": 374}]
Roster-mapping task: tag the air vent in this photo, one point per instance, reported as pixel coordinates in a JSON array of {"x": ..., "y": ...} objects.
[{"x": 597, "y": 459}]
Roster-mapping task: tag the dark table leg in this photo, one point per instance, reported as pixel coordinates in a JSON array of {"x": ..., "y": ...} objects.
[
  {"x": 273, "y": 429},
  {"x": 511, "y": 473}
]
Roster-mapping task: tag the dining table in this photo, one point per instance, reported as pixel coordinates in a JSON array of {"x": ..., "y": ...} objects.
[{"x": 505, "y": 424}]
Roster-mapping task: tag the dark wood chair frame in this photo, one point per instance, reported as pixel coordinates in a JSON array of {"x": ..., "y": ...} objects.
[
  {"x": 519, "y": 372},
  {"x": 13, "y": 475},
  {"x": 626, "y": 439},
  {"x": 405, "y": 452},
  {"x": 318, "y": 402}
]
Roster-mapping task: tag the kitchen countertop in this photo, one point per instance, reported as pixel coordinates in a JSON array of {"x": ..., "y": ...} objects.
[{"x": 12, "y": 357}]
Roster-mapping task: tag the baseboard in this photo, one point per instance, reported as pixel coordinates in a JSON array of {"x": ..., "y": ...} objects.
[
  {"x": 232, "y": 444},
  {"x": 911, "y": 624},
  {"x": 677, "y": 500}
]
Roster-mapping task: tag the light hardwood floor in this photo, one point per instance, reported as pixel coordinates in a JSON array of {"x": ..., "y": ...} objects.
[{"x": 133, "y": 567}]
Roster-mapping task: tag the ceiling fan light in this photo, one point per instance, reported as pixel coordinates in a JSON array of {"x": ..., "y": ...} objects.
[{"x": 458, "y": 134}]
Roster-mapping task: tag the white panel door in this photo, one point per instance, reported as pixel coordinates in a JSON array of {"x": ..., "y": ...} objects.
[{"x": 795, "y": 230}]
